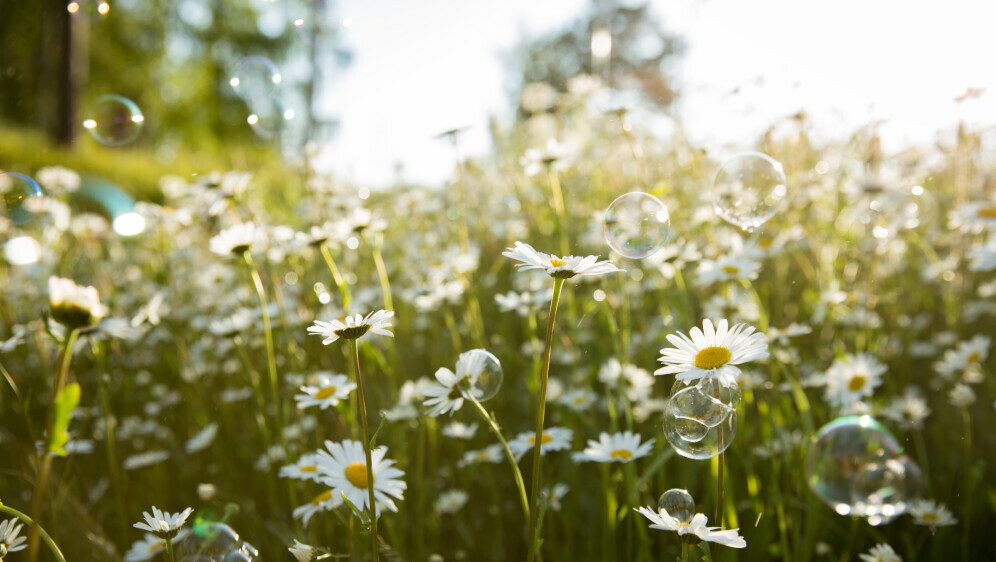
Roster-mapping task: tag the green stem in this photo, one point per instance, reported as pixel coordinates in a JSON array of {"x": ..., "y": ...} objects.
[
  {"x": 336, "y": 276},
  {"x": 271, "y": 363},
  {"x": 558, "y": 284},
  {"x": 558, "y": 203},
  {"x": 684, "y": 550},
  {"x": 169, "y": 550},
  {"x": 385, "y": 284},
  {"x": 719, "y": 484},
  {"x": 519, "y": 482},
  {"x": 41, "y": 532},
  {"x": 366, "y": 452}
]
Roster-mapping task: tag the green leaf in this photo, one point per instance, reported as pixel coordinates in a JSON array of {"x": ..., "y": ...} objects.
[
  {"x": 65, "y": 403},
  {"x": 356, "y": 511}
]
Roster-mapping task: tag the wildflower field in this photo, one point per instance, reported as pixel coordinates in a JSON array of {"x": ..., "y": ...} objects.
[{"x": 517, "y": 366}]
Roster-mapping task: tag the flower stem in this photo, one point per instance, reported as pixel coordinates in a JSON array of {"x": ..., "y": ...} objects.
[
  {"x": 385, "y": 284},
  {"x": 366, "y": 452},
  {"x": 336, "y": 276},
  {"x": 46, "y": 461},
  {"x": 169, "y": 549},
  {"x": 719, "y": 484},
  {"x": 519, "y": 483},
  {"x": 271, "y": 363},
  {"x": 684, "y": 550},
  {"x": 558, "y": 202},
  {"x": 41, "y": 532},
  {"x": 558, "y": 284}
]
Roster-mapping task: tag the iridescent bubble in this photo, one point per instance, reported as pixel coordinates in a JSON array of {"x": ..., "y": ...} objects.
[
  {"x": 636, "y": 225},
  {"x": 841, "y": 450},
  {"x": 708, "y": 401},
  {"x": 881, "y": 490},
  {"x": 678, "y": 503},
  {"x": 485, "y": 371},
  {"x": 213, "y": 541},
  {"x": 18, "y": 191},
  {"x": 113, "y": 120},
  {"x": 268, "y": 116},
  {"x": 678, "y": 427},
  {"x": 255, "y": 77},
  {"x": 747, "y": 188}
]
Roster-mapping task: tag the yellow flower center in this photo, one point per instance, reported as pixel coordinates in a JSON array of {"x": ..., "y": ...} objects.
[
  {"x": 322, "y": 497},
  {"x": 856, "y": 383},
  {"x": 482, "y": 455},
  {"x": 325, "y": 392},
  {"x": 356, "y": 473},
  {"x": 546, "y": 438},
  {"x": 155, "y": 547},
  {"x": 987, "y": 212},
  {"x": 929, "y": 517},
  {"x": 308, "y": 469},
  {"x": 712, "y": 357},
  {"x": 731, "y": 270},
  {"x": 621, "y": 454},
  {"x": 557, "y": 262},
  {"x": 974, "y": 358}
]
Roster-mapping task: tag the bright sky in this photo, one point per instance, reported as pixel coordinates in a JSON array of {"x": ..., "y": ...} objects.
[{"x": 425, "y": 66}]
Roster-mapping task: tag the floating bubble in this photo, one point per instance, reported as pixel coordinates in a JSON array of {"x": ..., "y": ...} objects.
[
  {"x": 268, "y": 116},
  {"x": 255, "y": 77},
  {"x": 881, "y": 490},
  {"x": 851, "y": 447},
  {"x": 747, "y": 189},
  {"x": 485, "y": 372},
  {"x": 113, "y": 120},
  {"x": 678, "y": 503},
  {"x": 213, "y": 541},
  {"x": 18, "y": 191},
  {"x": 636, "y": 225},
  {"x": 716, "y": 439},
  {"x": 708, "y": 401}
]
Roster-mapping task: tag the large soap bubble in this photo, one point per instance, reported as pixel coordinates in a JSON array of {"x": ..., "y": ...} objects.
[
  {"x": 214, "y": 541},
  {"x": 882, "y": 490},
  {"x": 18, "y": 191},
  {"x": 484, "y": 374},
  {"x": 636, "y": 225},
  {"x": 747, "y": 188},
  {"x": 113, "y": 120},
  {"x": 700, "y": 420}
]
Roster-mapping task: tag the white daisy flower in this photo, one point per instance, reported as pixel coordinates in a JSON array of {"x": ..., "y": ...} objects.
[
  {"x": 343, "y": 467},
  {"x": 712, "y": 352},
  {"x": 554, "y": 494},
  {"x": 327, "y": 391},
  {"x": 303, "y": 552},
  {"x": 577, "y": 399},
  {"x": 552, "y": 155},
  {"x": 450, "y": 501},
  {"x": 235, "y": 240},
  {"x": 491, "y": 454},
  {"x": 325, "y": 501},
  {"x": 983, "y": 256},
  {"x": 881, "y": 553},
  {"x": 697, "y": 526},
  {"x": 851, "y": 378},
  {"x": 726, "y": 268},
  {"x": 151, "y": 546},
  {"x": 9, "y": 538},
  {"x": 618, "y": 447},
  {"x": 74, "y": 306},
  {"x": 203, "y": 439},
  {"x": 973, "y": 217},
  {"x": 908, "y": 410},
  {"x": 554, "y": 439},
  {"x": 557, "y": 267},
  {"x": 460, "y": 430},
  {"x": 163, "y": 524},
  {"x": 446, "y": 396},
  {"x": 931, "y": 514},
  {"x": 354, "y": 326},
  {"x": 144, "y": 459},
  {"x": 965, "y": 356},
  {"x": 961, "y": 396},
  {"x": 306, "y": 468}
]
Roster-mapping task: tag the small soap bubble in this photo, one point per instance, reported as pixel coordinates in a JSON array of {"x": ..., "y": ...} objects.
[
  {"x": 686, "y": 415},
  {"x": 268, "y": 116},
  {"x": 678, "y": 503},
  {"x": 113, "y": 120},
  {"x": 485, "y": 373},
  {"x": 636, "y": 225},
  {"x": 18, "y": 192},
  {"x": 747, "y": 189},
  {"x": 255, "y": 77}
]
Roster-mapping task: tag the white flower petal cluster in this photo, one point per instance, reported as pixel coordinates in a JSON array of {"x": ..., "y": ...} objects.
[
  {"x": 697, "y": 527},
  {"x": 163, "y": 524},
  {"x": 9, "y": 535},
  {"x": 343, "y": 467},
  {"x": 619, "y": 447},
  {"x": 73, "y": 305},
  {"x": 713, "y": 351},
  {"x": 558, "y": 267},
  {"x": 354, "y": 326}
]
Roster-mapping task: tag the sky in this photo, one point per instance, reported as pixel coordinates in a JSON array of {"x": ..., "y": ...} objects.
[{"x": 425, "y": 66}]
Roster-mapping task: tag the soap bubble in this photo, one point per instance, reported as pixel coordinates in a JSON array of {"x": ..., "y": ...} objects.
[
  {"x": 268, "y": 116},
  {"x": 881, "y": 490},
  {"x": 255, "y": 77},
  {"x": 486, "y": 374},
  {"x": 214, "y": 542},
  {"x": 636, "y": 225},
  {"x": 18, "y": 191},
  {"x": 686, "y": 427},
  {"x": 855, "y": 466},
  {"x": 708, "y": 401},
  {"x": 747, "y": 189},
  {"x": 113, "y": 120},
  {"x": 678, "y": 504}
]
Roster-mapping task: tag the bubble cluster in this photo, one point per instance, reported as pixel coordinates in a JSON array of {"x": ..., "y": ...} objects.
[
  {"x": 18, "y": 191},
  {"x": 747, "y": 189},
  {"x": 856, "y": 466},
  {"x": 215, "y": 542},
  {"x": 700, "y": 420},
  {"x": 678, "y": 503},
  {"x": 113, "y": 120},
  {"x": 636, "y": 225},
  {"x": 485, "y": 383}
]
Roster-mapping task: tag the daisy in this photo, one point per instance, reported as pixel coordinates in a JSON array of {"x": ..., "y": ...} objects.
[
  {"x": 203, "y": 439},
  {"x": 554, "y": 494},
  {"x": 327, "y": 391},
  {"x": 144, "y": 459},
  {"x": 306, "y": 468},
  {"x": 450, "y": 501},
  {"x": 881, "y": 553},
  {"x": 967, "y": 355},
  {"x": 852, "y": 378},
  {"x": 163, "y": 524},
  {"x": 151, "y": 546},
  {"x": 556, "y": 267},
  {"x": 726, "y": 268},
  {"x": 9, "y": 539},
  {"x": 930, "y": 514},
  {"x": 491, "y": 453},
  {"x": 343, "y": 467},
  {"x": 446, "y": 396},
  {"x": 460, "y": 430},
  {"x": 712, "y": 352},
  {"x": 984, "y": 256},
  {"x": 235, "y": 240},
  {"x": 325, "y": 501},
  {"x": 578, "y": 399},
  {"x": 72, "y": 305},
  {"x": 973, "y": 217},
  {"x": 554, "y": 439},
  {"x": 697, "y": 526},
  {"x": 908, "y": 410},
  {"x": 961, "y": 396},
  {"x": 354, "y": 326},
  {"x": 619, "y": 447},
  {"x": 303, "y": 552}
]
